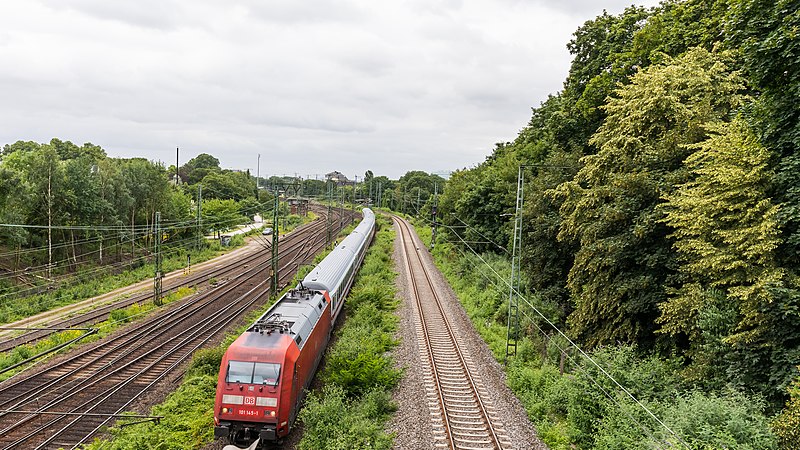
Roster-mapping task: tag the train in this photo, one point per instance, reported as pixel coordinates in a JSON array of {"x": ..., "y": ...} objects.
[{"x": 266, "y": 371}]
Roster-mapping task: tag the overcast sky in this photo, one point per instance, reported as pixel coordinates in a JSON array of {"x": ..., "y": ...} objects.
[{"x": 311, "y": 85}]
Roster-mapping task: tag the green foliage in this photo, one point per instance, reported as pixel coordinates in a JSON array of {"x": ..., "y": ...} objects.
[
  {"x": 359, "y": 373},
  {"x": 333, "y": 421},
  {"x": 220, "y": 215},
  {"x": 206, "y": 361},
  {"x": 358, "y": 362},
  {"x": 725, "y": 226},
  {"x": 601, "y": 49},
  {"x": 610, "y": 208},
  {"x": 679, "y": 25},
  {"x": 228, "y": 185},
  {"x": 706, "y": 421},
  {"x": 411, "y": 194},
  {"x": 765, "y": 32},
  {"x": 198, "y": 168},
  {"x": 787, "y": 424}
]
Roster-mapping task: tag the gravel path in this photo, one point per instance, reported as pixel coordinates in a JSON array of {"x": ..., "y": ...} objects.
[{"x": 411, "y": 423}]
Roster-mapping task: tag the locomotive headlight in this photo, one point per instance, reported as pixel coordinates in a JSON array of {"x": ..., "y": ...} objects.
[
  {"x": 272, "y": 413},
  {"x": 224, "y": 410}
]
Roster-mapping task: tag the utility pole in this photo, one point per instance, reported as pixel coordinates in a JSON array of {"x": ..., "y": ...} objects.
[
  {"x": 199, "y": 207},
  {"x": 157, "y": 259},
  {"x": 177, "y": 161},
  {"x": 418, "y": 192},
  {"x": 274, "y": 286},
  {"x": 433, "y": 213},
  {"x": 512, "y": 329},
  {"x": 258, "y": 173},
  {"x": 330, "y": 200},
  {"x": 341, "y": 207}
]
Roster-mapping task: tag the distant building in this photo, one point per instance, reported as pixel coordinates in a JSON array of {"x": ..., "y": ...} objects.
[
  {"x": 337, "y": 177},
  {"x": 298, "y": 206}
]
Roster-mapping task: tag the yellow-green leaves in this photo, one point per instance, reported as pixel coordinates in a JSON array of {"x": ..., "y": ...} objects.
[
  {"x": 610, "y": 208},
  {"x": 726, "y": 230}
]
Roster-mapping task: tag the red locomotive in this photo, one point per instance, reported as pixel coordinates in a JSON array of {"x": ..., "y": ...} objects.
[{"x": 265, "y": 372}]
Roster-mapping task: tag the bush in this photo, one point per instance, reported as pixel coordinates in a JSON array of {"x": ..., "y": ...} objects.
[
  {"x": 119, "y": 316},
  {"x": 787, "y": 424},
  {"x": 335, "y": 423},
  {"x": 709, "y": 421},
  {"x": 206, "y": 361}
]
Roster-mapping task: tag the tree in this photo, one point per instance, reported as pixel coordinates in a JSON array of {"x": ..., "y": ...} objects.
[
  {"x": 726, "y": 234},
  {"x": 610, "y": 209},
  {"x": 601, "y": 60},
  {"x": 220, "y": 215},
  {"x": 765, "y": 32},
  {"x": 198, "y": 167},
  {"x": 227, "y": 185},
  {"x": 677, "y": 26}
]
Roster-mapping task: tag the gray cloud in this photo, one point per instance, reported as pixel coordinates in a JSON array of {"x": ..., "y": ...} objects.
[{"x": 345, "y": 85}]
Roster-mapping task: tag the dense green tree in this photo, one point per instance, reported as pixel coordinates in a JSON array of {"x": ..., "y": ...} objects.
[
  {"x": 411, "y": 191},
  {"x": 23, "y": 146},
  {"x": 220, "y": 215},
  {"x": 610, "y": 209},
  {"x": 601, "y": 50},
  {"x": 198, "y": 167},
  {"x": 766, "y": 34},
  {"x": 677, "y": 26},
  {"x": 726, "y": 233},
  {"x": 476, "y": 209},
  {"x": 313, "y": 188},
  {"x": 228, "y": 185}
]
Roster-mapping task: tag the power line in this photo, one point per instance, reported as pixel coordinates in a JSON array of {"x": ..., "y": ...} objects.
[{"x": 578, "y": 348}]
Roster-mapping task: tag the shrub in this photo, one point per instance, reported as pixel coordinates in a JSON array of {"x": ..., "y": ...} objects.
[
  {"x": 206, "y": 361},
  {"x": 787, "y": 424},
  {"x": 711, "y": 421},
  {"x": 119, "y": 316},
  {"x": 332, "y": 422}
]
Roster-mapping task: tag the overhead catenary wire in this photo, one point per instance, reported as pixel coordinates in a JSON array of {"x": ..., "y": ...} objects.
[
  {"x": 140, "y": 232},
  {"x": 573, "y": 344},
  {"x": 569, "y": 356}
]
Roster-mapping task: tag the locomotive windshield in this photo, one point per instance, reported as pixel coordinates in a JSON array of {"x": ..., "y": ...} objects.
[
  {"x": 253, "y": 373},
  {"x": 266, "y": 373}
]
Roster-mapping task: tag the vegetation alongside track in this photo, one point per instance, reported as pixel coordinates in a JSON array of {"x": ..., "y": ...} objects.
[
  {"x": 355, "y": 402},
  {"x": 571, "y": 410},
  {"x": 117, "y": 319}
]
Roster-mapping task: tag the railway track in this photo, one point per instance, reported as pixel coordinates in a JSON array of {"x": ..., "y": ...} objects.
[
  {"x": 67, "y": 402},
  {"x": 462, "y": 415},
  {"x": 96, "y": 314}
]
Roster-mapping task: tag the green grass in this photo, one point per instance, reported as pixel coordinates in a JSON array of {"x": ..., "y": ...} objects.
[{"x": 117, "y": 319}]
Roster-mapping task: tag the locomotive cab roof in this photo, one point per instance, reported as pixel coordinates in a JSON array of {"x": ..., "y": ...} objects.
[{"x": 295, "y": 315}]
